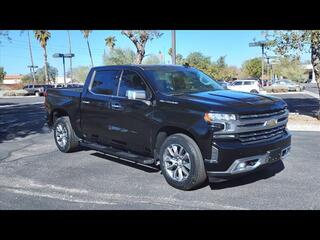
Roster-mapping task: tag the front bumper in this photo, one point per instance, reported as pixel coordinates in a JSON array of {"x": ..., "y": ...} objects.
[{"x": 235, "y": 159}]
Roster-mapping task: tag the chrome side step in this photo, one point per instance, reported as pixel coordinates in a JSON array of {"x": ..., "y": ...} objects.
[{"x": 118, "y": 153}]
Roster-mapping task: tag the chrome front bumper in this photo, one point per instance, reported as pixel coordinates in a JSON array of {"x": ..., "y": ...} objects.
[{"x": 249, "y": 164}]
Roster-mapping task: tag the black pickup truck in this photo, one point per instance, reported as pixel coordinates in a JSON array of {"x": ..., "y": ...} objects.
[{"x": 173, "y": 116}]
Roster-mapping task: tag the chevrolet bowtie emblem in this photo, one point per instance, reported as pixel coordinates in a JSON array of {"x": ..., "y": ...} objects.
[{"x": 271, "y": 123}]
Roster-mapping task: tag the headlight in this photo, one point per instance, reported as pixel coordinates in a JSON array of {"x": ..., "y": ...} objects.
[{"x": 219, "y": 117}]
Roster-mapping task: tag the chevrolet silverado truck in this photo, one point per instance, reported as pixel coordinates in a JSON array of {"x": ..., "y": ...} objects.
[{"x": 173, "y": 116}]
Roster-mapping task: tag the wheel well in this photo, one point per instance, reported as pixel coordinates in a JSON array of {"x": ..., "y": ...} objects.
[
  {"x": 165, "y": 132},
  {"x": 57, "y": 113}
]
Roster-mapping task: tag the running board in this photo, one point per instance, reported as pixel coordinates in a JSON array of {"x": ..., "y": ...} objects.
[{"x": 119, "y": 153}]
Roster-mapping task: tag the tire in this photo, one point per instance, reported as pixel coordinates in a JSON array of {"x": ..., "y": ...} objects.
[
  {"x": 62, "y": 128},
  {"x": 196, "y": 175},
  {"x": 254, "y": 91}
]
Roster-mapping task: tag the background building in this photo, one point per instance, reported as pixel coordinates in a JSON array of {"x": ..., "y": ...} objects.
[{"x": 12, "y": 78}]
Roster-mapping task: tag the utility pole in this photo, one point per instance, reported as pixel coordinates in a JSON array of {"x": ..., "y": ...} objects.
[
  {"x": 70, "y": 53},
  {"x": 63, "y": 56},
  {"x": 173, "y": 55},
  {"x": 32, "y": 64},
  {"x": 32, "y": 67}
]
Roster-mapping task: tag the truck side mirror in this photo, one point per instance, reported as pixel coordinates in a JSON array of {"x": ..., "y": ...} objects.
[{"x": 136, "y": 94}]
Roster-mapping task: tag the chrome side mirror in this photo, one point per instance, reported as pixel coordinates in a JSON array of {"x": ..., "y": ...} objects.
[{"x": 136, "y": 94}]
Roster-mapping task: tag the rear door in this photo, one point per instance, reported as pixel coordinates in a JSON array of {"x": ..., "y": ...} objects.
[{"x": 95, "y": 105}]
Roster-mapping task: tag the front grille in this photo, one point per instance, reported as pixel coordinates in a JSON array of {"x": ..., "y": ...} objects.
[
  {"x": 262, "y": 115},
  {"x": 261, "y": 136}
]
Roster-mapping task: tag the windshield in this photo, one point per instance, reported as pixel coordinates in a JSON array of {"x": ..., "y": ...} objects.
[{"x": 179, "y": 81}]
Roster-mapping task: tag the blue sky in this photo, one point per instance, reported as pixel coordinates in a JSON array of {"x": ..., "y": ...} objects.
[{"x": 234, "y": 44}]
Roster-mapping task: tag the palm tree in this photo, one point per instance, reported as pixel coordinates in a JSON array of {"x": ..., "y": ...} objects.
[
  {"x": 43, "y": 36},
  {"x": 86, "y": 34},
  {"x": 110, "y": 42}
]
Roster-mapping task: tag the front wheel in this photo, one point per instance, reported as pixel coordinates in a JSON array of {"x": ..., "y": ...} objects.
[
  {"x": 254, "y": 91},
  {"x": 181, "y": 162},
  {"x": 64, "y": 136}
]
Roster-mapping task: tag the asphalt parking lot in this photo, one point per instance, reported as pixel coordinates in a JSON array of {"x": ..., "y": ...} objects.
[{"x": 35, "y": 175}]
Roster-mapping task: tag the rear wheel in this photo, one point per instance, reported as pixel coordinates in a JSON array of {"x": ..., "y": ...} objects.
[
  {"x": 181, "y": 162},
  {"x": 254, "y": 91},
  {"x": 64, "y": 136}
]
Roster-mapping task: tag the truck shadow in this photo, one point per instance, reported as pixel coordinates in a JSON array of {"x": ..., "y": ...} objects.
[
  {"x": 22, "y": 121},
  {"x": 264, "y": 173},
  {"x": 145, "y": 168}
]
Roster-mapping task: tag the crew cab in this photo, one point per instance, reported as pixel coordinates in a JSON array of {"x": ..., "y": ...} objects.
[{"x": 174, "y": 117}]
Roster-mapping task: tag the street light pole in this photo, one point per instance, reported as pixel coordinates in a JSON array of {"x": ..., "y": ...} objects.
[
  {"x": 173, "y": 55},
  {"x": 63, "y": 56}
]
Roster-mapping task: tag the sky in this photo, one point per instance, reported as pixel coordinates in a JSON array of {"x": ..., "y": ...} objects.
[{"x": 234, "y": 44}]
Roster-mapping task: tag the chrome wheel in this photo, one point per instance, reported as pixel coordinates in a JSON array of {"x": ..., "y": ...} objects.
[
  {"x": 177, "y": 162},
  {"x": 61, "y": 135}
]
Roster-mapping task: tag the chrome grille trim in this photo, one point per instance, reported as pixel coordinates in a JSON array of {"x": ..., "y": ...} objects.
[
  {"x": 262, "y": 115},
  {"x": 254, "y": 130}
]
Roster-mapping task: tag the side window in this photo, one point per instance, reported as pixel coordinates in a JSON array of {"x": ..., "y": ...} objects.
[
  {"x": 248, "y": 83},
  {"x": 237, "y": 83},
  {"x": 106, "y": 82},
  {"x": 131, "y": 81}
]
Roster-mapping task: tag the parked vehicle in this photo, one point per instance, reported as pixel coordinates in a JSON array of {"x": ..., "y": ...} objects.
[
  {"x": 74, "y": 85},
  {"x": 173, "y": 116},
  {"x": 37, "y": 90},
  {"x": 224, "y": 84},
  {"x": 251, "y": 86},
  {"x": 290, "y": 85}
]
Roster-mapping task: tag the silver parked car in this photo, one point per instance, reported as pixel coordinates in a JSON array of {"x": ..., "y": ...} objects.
[{"x": 289, "y": 84}]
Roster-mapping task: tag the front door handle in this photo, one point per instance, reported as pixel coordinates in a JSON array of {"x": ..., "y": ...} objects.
[
  {"x": 116, "y": 106},
  {"x": 86, "y": 102}
]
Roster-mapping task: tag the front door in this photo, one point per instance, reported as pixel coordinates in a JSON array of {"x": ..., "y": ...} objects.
[{"x": 131, "y": 125}]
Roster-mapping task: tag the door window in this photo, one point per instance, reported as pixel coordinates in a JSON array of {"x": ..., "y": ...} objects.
[
  {"x": 237, "y": 83},
  {"x": 106, "y": 82},
  {"x": 131, "y": 81}
]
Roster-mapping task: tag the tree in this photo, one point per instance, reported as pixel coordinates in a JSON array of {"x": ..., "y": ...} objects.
[
  {"x": 2, "y": 74},
  {"x": 43, "y": 36},
  {"x": 294, "y": 42},
  {"x": 4, "y": 34},
  {"x": 111, "y": 42},
  {"x": 43, "y": 73},
  {"x": 118, "y": 56},
  {"x": 198, "y": 60},
  {"x": 221, "y": 62},
  {"x": 179, "y": 58},
  {"x": 152, "y": 59},
  {"x": 290, "y": 68},
  {"x": 252, "y": 68},
  {"x": 86, "y": 34},
  {"x": 140, "y": 38},
  {"x": 80, "y": 73}
]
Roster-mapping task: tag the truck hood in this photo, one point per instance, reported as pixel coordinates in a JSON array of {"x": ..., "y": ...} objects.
[{"x": 234, "y": 101}]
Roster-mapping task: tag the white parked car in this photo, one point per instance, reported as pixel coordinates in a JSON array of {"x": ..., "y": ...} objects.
[{"x": 251, "y": 86}]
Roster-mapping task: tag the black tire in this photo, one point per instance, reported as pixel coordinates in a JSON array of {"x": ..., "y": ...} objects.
[
  {"x": 197, "y": 175},
  {"x": 72, "y": 142},
  {"x": 254, "y": 91}
]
